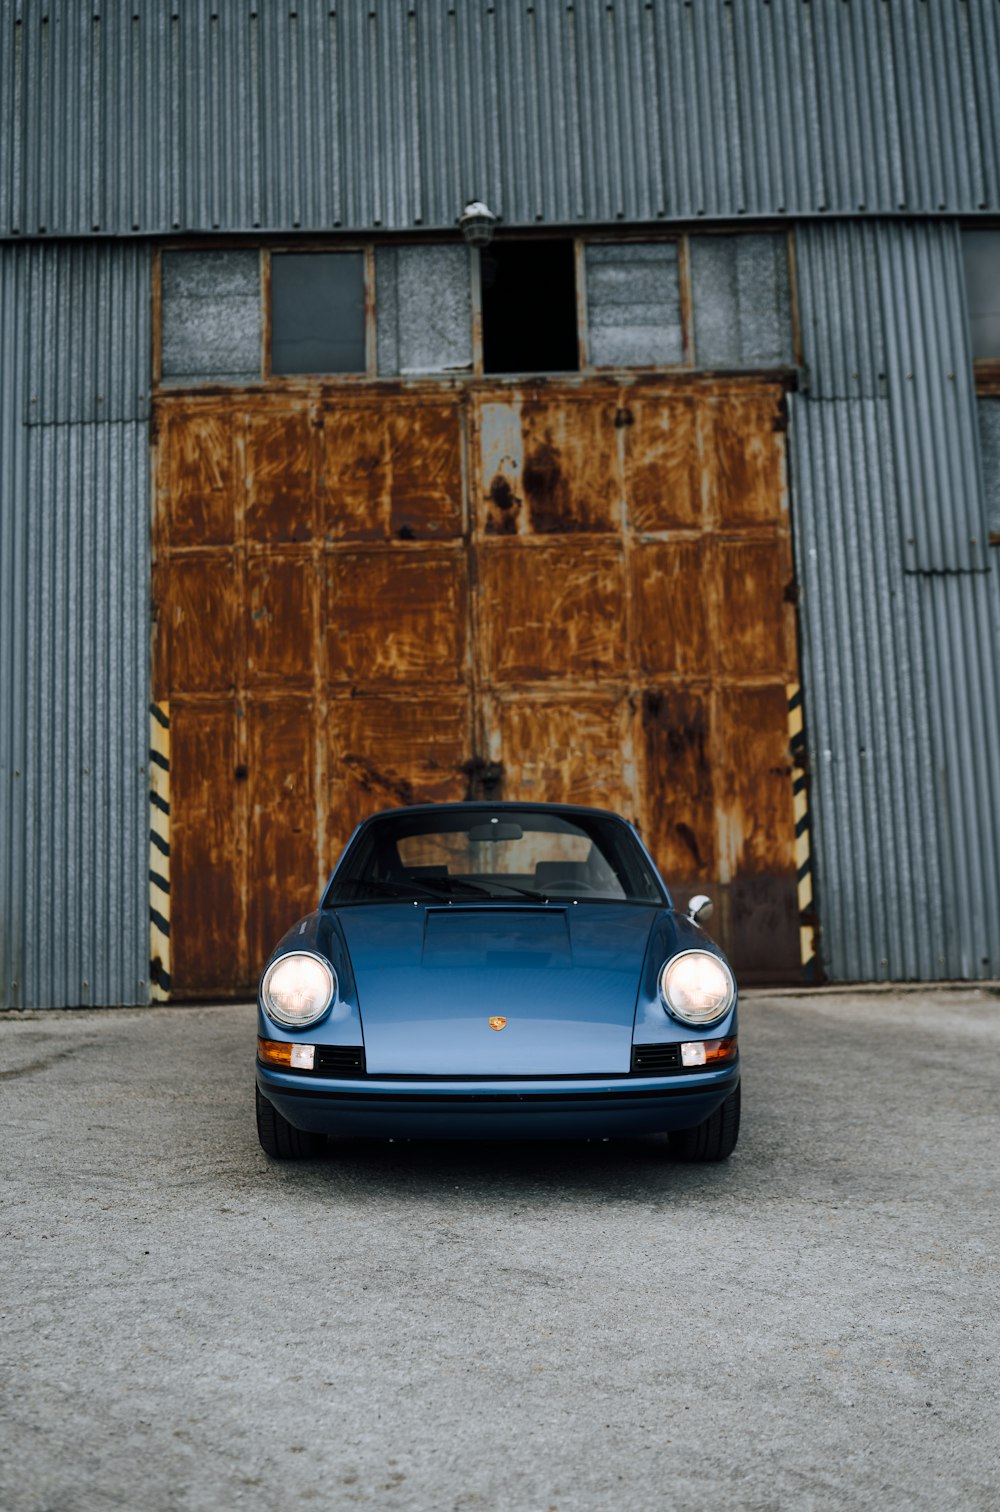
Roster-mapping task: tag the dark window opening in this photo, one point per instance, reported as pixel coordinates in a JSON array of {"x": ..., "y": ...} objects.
[
  {"x": 529, "y": 307},
  {"x": 318, "y": 312},
  {"x": 982, "y": 287}
]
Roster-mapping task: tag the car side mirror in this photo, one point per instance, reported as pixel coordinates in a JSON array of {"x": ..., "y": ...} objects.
[{"x": 700, "y": 908}]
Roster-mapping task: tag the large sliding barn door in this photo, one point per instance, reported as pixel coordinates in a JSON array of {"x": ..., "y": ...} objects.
[
  {"x": 562, "y": 593},
  {"x": 635, "y": 630},
  {"x": 312, "y": 645}
]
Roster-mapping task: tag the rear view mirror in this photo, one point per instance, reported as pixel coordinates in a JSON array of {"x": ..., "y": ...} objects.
[{"x": 497, "y": 830}]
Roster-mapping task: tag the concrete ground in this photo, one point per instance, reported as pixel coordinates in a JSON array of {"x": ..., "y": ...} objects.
[{"x": 813, "y": 1325}]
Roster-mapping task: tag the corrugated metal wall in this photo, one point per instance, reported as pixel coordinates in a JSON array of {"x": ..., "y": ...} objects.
[
  {"x": 900, "y": 666},
  {"x": 365, "y": 114},
  {"x": 74, "y": 625}
]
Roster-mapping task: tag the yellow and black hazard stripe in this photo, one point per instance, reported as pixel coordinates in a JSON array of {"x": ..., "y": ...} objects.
[
  {"x": 803, "y": 845},
  {"x": 159, "y": 852}
]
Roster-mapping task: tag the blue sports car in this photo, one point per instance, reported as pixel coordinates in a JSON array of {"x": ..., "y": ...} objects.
[{"x": 481, "y": 970}]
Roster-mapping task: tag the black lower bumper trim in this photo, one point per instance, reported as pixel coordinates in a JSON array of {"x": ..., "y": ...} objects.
[{"x": 374, "y": 1098}]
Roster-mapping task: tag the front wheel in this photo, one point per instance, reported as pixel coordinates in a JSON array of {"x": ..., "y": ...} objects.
[
  {"x": 282, "y": 1140},
  {"x": 715, "y": 1139}
]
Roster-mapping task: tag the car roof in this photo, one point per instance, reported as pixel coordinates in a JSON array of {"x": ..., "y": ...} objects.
[{"x": 484, "y": 804}]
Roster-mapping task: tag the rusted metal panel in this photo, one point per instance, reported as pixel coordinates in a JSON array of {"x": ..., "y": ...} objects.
[
  {"x": 663, "y": 472},
  {"x": 200, "y": 614},
  {"x": 678, "y": 758},
  {"x": 598, "y": 611},
  {"x": 673, "y": 629},
  {"x": 754, "y": 632},
  {"x": 550, "y": 467},
  {"x": 552, "y": 612},
  {"x": 282, "y": 798},
  {"x": 564, "y": 749},
  {"x": 208, "y": 903},
  {"x": 396, "y": 616},
  {"x": 281, "y": 467},
  {"x": 280, "y": 619},
  {"x": 392, "y": 749},
  {"x": 753, "y": 776},
  {"x": 196, "y": 495},
  {"x": 392, "y": 469},
  {"x": 747, "y": 465}
]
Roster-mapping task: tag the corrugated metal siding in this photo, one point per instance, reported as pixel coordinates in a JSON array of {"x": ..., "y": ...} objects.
[
  {"x": 840, "y": 310},
  {"x": 13, "y": 623},
  {"x": 959, "y": 619},
  {"x": 74, "y": 502},
  {"x": 900, "y": 669},
  {"x": 874, "y": 801},
  {"x": 90, "y": 306},
  {"x": 932, "y": 398},
  {"x": 883, "y": 314},
  {"x": 373, "y": 114}
]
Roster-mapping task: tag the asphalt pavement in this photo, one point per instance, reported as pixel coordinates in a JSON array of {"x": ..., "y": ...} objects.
[{"x": 554, "y": 1328}]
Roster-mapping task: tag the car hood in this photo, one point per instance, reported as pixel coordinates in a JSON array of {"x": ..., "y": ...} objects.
[{"x": 429, "y": 979}]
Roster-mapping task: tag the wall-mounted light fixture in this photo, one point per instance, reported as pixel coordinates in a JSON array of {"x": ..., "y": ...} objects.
[{"x": 477, "y": 222}]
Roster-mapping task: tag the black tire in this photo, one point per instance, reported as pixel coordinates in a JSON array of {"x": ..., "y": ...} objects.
[
  {"x": 282, "y": 1140},
  {"x": 715, "y": 1139}
]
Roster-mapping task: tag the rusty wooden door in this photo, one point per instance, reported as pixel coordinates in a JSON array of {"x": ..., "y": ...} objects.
[
  {"x": 571, "y": 593},
  {"x": 635, "y": 629},
  {"x": 312, "y": 646}
]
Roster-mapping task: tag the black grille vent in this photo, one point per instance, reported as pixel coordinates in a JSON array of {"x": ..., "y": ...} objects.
[
  {"x": 653, "y": 1060},
  {"x": 340, "y": 1060}
]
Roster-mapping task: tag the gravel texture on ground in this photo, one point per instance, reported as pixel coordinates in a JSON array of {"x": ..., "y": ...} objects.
[{"x": 812, "y": 1325}]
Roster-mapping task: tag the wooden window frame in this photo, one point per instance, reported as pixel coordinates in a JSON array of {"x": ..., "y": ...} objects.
[{"x": 987, "y": 374}]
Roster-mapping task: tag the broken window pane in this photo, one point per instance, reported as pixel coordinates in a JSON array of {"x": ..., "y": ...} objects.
[
  {"x": 318, "y": 312},
  {"x": 423, "y": 296},
  {"x": 211, "y": 317},
  {"x": 982, "y": 291},
  {"x": 529, "y": 307},
  {"x": 634, "y": 305},
  {"x": 741, "y": 301}
]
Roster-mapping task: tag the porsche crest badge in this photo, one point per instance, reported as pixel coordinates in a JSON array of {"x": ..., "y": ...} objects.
[{"x": 498, "y": 1023}]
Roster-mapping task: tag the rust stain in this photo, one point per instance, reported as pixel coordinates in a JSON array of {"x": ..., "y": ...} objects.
[
  {"x": 204, "y": 836},
  {"x": 679, "y": 744},
  {"x": 396, "y": 616},
  {"x": 485, "y": 779},
  {"x": 565, "y": 747},
  {"x": 748, "y": 460},
  {"x": 507, "y": 505},
  {"x": 547, "y": 491},
  {"x": 281, "y": 474},
  {"x": 672, "y": 607},
  {"x": 663, "y": 470},
  {"x": 382, "y": 745},
  {"x": 570, "y": 475},
  {"x": 553, "y": 612}
]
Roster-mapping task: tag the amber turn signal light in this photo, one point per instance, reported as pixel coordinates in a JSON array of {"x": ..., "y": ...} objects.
[
  {"x": 283, "y": 1053},
  {"x": 709, "y": 1052}
]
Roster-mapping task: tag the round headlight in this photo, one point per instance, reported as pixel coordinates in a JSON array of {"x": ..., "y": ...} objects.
[
  {"x": 697, "y": 987},
  {"x": 298, "y": 989}
]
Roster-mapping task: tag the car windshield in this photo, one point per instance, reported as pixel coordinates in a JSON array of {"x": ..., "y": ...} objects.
[{"x": 503, "y": 854}]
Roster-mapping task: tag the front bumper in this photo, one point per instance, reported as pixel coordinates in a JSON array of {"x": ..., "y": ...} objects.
[{"x": 536, "y": 1108}]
